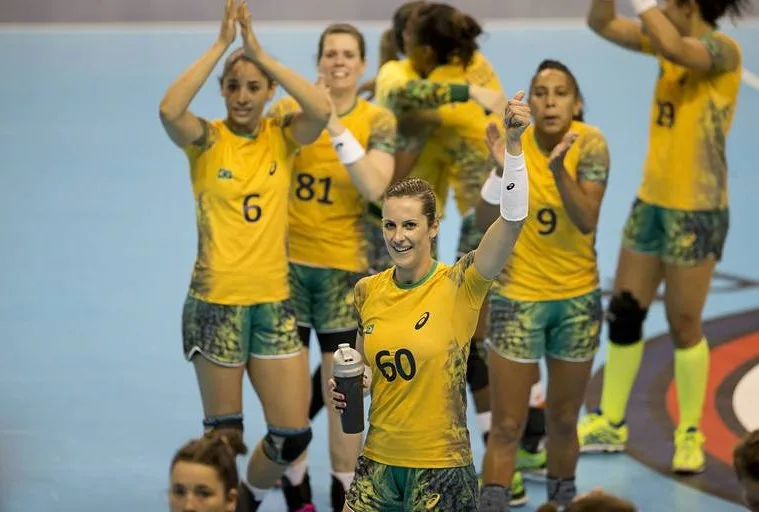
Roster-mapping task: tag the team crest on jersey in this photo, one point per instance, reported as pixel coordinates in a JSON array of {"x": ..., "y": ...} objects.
[
  {"x": 369, "y": 329},
  {"x": 273, "y": 168},
  {"x": 224, "y": 174}
]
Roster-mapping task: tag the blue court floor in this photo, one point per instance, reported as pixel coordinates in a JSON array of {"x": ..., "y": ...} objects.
[{"x": 98, "y": 239}]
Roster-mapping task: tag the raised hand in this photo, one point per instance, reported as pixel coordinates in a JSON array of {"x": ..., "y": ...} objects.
[
  {"x": 250, "y": 42},
  {"x": 516, "y": 116},
  {"x": 556, "y": 159},
  {"x": 228, "y": 30},
  {"x": 334, "y": 126}
]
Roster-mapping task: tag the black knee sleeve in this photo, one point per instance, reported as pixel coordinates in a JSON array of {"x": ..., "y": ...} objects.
[
  {"x": 625, "y": 318},
  {"x": 231, "y": 421},
  {"x": 329, "y": 341},
  {"x": 476, "y": 369},
  {"x": 285, "y": 445},
  {"x": 317, "y": 397},
  {"x": 534, "y": 430}
]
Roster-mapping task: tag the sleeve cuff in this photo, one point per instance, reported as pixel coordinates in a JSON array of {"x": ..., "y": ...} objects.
[{"x": 459, "y": 92}]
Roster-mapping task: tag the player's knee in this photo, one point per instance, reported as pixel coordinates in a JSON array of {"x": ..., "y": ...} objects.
[
  {"x": 506, "y": 430},
  {"x": 285, "y": 445},
  {"x": 227, "y": 421},
  {"x": 476, "y": 371},
  {"x": 626, "y": 319},
  {"x": 562, "y": 423},
  {"x": 685, "y": 328}
]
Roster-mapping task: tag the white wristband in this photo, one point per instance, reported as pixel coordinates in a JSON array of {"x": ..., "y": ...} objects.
[
  {"x": 491, "y": 189},
  {"x": 515, "y": 191},
  {"x": 349, "y": 150},
  {"x": 641, "y": 6}
]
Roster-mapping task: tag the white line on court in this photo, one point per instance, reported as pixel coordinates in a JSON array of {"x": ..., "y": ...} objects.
[
  {"x": 203, "y": 26},
  {"x": 750, "y": 79},
  {"x": 744, "y": 400}
]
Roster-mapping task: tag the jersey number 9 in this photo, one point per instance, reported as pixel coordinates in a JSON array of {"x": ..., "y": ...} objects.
[
  {"x": 392, "y": 368},
  {"x": 547, "y": 217}
]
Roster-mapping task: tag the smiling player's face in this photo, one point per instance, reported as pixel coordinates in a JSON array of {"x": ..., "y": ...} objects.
[
  {"x": 341, "y": 63},
  {"x": 408, "y": 234}
]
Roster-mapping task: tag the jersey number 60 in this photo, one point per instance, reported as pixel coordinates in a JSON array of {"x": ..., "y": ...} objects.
[{"x": 395, "y": 366}]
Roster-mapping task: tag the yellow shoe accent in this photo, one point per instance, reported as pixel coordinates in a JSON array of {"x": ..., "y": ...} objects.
[
  {"x": 596, "y": 434},
  {"x": 689, "y": 451}
]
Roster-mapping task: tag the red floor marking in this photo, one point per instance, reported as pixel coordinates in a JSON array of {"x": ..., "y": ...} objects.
[{"x": 725, "y": 359}]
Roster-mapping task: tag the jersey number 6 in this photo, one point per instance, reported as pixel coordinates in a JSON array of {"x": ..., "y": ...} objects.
[
  {"x": 250, "y": 210},
  {"x": 394, "y": 367}
]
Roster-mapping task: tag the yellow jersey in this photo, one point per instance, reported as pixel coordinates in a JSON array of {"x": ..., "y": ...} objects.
[
  {"x": 553, "y": 259},
  {"x": 481, "y": 72},
  {"x": 241, "y": 185},
  {"x": 431, "y": 165},
  {"x": 326, "y": 209},
  {"x": 416, "y": 342},
  {"x": 463, "y": 129},
  {"x": 460, "y": 145},
  {"x": 691, "y": 115}
]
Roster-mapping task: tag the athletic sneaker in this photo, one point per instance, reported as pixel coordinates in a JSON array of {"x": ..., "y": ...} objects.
[
  {"x": 532, "y": 464},
  {"x": 597, "y": 434},
  {"x": 518, "y": 491},
  {"x": 689, "y": 451}
]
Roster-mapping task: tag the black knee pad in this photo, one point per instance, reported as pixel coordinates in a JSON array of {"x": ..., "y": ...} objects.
[
  {"x": 230, "y": 421},
  {"x": 476, "y": 370},
  {"x": 329, "y": 341},
  {"x": 317, "y": 397},
  {"x": 285, "y": 445},
  {"x": 625, "y": 317}
]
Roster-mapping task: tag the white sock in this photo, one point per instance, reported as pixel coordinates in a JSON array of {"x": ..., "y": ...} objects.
[
  {"x": 296, "y": 472},
  {"x": 258, "y": 494},
  {"x": 484, "y": 420},
  {"x": 345, "y": 478}
]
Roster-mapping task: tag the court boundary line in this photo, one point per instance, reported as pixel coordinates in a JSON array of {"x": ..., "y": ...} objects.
[
  {"x": 190, "y": 27},
  {"x": 185, "y": 26},
  {"x": 750, "y": 79},
  {"x": 203, "y": 26}
]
